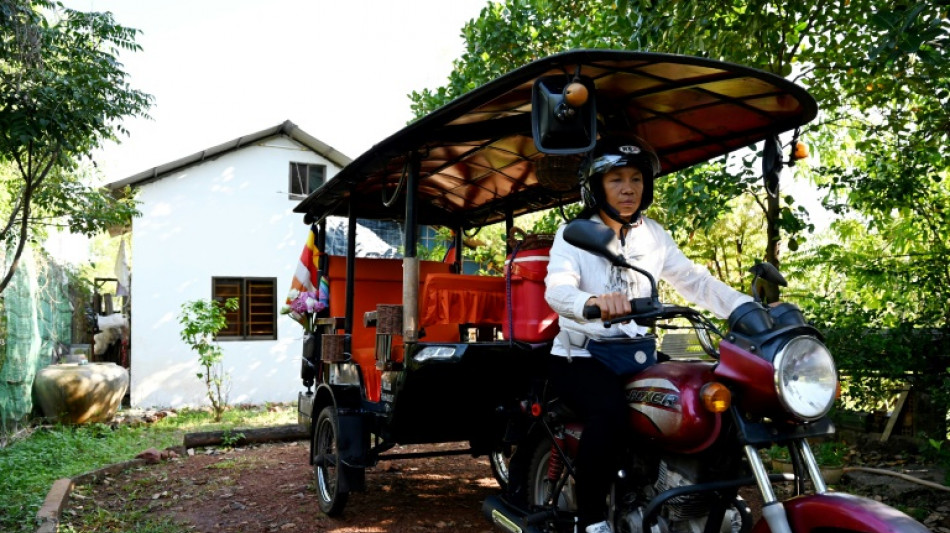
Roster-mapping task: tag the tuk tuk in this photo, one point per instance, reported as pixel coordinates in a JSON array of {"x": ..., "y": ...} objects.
[{"x": 416, "y": 351}]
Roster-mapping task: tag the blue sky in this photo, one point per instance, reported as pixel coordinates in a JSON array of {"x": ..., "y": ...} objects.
[{"x": 219, "y": 69}]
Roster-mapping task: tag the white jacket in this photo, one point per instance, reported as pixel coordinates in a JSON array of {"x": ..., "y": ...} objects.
[{"x": 575, "y": 275}]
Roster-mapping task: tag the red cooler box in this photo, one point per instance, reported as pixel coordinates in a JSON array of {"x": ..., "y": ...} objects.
[{"x": 528, "y": 318}]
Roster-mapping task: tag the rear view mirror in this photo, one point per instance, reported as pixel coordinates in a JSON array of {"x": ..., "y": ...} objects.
[
  {"x": 592, "y": 237},
  {"x": 768, "y": 272},
  {"x": 595, "y": 238},
  {"x": 563, "y": 115}
]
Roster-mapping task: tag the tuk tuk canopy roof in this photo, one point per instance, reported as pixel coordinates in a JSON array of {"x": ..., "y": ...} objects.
[{"x": 478, "y": 161}]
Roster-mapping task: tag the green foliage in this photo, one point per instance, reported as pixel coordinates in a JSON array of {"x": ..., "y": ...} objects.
[
  {"x": 880, "y": 297},
  {"x": 62, "y": 94},
  {"x": 30, "y": 465},
  {"x": 102, "y": 521},
  {"x": 230, "y": 438},
  {"x": 201, "y": 320},
  {"x": 827, "y": 453},
  {"x": 778, "y": 452},
  {"x": 938, "y": 452},
  {"x": 830, "y": 452}
]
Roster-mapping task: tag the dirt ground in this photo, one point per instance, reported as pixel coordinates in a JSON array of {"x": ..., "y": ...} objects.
[{"x": 269, "y": 488}]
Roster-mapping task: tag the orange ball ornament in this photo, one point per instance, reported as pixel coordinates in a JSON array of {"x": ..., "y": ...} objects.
[
  {"x": 801, "y": 150},
  {"x": 575, "y": 94}
]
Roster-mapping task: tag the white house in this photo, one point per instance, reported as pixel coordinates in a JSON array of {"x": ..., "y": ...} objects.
[{"x": 219, "y": 223}]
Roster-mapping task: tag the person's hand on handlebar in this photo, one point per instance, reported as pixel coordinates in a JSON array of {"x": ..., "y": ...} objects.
[{"x": 612, "y": 305}]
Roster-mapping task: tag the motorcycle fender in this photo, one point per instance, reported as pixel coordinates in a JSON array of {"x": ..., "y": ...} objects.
[{"x": 843, "y": 512}]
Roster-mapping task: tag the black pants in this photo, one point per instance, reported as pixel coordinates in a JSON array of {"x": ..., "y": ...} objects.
[{"x": 597, "y": 395}]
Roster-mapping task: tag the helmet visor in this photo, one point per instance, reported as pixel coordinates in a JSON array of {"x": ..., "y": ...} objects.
[{"x": 606, "y": 162}]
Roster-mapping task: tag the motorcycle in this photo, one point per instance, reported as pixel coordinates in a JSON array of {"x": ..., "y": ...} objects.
[{"x": 695, "y": 431}]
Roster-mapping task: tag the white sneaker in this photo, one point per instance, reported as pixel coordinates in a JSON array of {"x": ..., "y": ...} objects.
[{"x": 599, "y": 527}]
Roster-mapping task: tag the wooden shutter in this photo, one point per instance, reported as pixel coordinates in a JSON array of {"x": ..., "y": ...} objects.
[
  {"x": 261, "y": 308},
  {"x": 223, "y": 289}
]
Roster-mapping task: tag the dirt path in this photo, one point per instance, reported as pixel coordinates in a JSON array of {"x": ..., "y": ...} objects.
[{"x": 269, "y": 489}]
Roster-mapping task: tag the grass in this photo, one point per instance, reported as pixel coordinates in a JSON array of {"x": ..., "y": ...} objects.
[
  {"x": 103, "y": 521},
  {"x": 30, "y": 466}
]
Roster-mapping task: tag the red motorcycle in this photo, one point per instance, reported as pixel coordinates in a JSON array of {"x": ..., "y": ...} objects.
[{"x": 696, "y": 428}]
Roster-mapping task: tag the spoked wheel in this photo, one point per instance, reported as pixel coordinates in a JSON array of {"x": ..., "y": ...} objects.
[
  {"x": 540, "y": 488},
  {"x": 499, "y": 460},
  {"x": 327, "y": 469}
]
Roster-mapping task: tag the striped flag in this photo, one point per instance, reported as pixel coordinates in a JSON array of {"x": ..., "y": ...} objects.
[{"x": 307, "y": 277}]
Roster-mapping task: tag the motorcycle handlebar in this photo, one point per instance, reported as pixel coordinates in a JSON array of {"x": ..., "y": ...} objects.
[
  {"x": 642, "y": 308},
  {"x": 591, "y": 312},
  {"x": 648, "y": 309}
]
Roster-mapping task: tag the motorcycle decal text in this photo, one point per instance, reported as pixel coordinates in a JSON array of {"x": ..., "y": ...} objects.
[
  {"x": 662, "y": 399},
  {"x": 659, "y": 401}
]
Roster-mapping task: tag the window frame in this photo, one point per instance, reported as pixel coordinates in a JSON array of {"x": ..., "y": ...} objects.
[
  {"x": 245, "y": 308},
  {"x": 305, "y": 183}
]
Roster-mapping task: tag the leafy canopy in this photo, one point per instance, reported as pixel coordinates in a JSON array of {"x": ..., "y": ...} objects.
[{"x": 63, "y": 93}]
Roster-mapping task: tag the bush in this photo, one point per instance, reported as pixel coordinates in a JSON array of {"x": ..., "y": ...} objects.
[{"x": 201, "y": 321}]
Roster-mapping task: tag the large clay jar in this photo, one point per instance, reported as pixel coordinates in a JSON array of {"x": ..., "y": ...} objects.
[{"x": 79, "y": 394}]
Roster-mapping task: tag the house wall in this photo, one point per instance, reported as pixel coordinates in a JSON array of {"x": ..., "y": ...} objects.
[{"x": 226, "y": 217}]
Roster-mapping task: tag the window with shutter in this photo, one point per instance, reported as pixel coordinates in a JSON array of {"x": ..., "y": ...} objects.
[{"x": 256, "y": 316}]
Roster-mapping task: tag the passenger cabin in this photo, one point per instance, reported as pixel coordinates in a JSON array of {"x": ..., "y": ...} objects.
[{"x": 452, "y": 308}]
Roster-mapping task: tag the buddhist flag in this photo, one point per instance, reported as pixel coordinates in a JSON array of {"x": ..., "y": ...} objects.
[{"x": 307, "y": 277}]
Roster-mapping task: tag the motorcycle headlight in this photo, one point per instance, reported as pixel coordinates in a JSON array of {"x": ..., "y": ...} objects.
[{"x": 805, "y": 378}]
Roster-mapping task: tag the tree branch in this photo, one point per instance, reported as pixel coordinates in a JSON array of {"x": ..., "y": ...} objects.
[{"x": 24, "y": 224}]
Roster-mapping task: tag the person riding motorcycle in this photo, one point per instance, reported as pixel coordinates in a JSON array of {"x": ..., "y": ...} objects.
[{"x": 617, "y": 186}]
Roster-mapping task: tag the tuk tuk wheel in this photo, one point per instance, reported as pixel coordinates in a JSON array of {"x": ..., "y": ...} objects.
[
  {"x": 327, "y": 469},
  {"x": 499, "y": 460}
]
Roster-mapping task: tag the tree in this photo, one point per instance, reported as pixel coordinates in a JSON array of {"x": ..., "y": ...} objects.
[
  {"x": 201, "y": 321},
  {"x": 62, "y": 93}
]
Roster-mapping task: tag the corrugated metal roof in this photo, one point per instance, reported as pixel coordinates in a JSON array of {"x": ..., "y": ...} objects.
[
  {"x": 287, "y": 128},
  {"x": 478, "y": 161}
]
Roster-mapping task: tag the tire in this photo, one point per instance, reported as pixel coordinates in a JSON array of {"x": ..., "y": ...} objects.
[
  {"x": 539, "y": 487},
  {"x": 499, "y": 461},
  {"x": 327, "y": 471}
]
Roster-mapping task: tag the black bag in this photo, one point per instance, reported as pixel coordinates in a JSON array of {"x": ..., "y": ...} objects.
[{"x": 624, "y": 355}]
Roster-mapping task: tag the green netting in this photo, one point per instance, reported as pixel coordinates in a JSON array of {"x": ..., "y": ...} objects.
[{"x": 35, "y": 328}]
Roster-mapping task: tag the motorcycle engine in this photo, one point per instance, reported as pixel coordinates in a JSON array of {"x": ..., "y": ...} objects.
[{"x": 683, "y": 514}]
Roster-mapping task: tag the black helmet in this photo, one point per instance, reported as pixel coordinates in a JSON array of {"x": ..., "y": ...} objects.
[{"x": 614, "y": 153}]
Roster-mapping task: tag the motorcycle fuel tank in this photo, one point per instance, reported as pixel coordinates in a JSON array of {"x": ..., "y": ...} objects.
[{"x": 665, "y": 406}]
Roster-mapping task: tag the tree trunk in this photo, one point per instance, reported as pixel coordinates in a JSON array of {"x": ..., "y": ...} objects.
[
  {"x": 24, "y": 226},
  {"x": 768, "y": 291},
  {"x": 31, "y": 183}
]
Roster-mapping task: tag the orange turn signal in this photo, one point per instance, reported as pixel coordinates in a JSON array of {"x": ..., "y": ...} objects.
[{"x": 716, "y": 397}]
